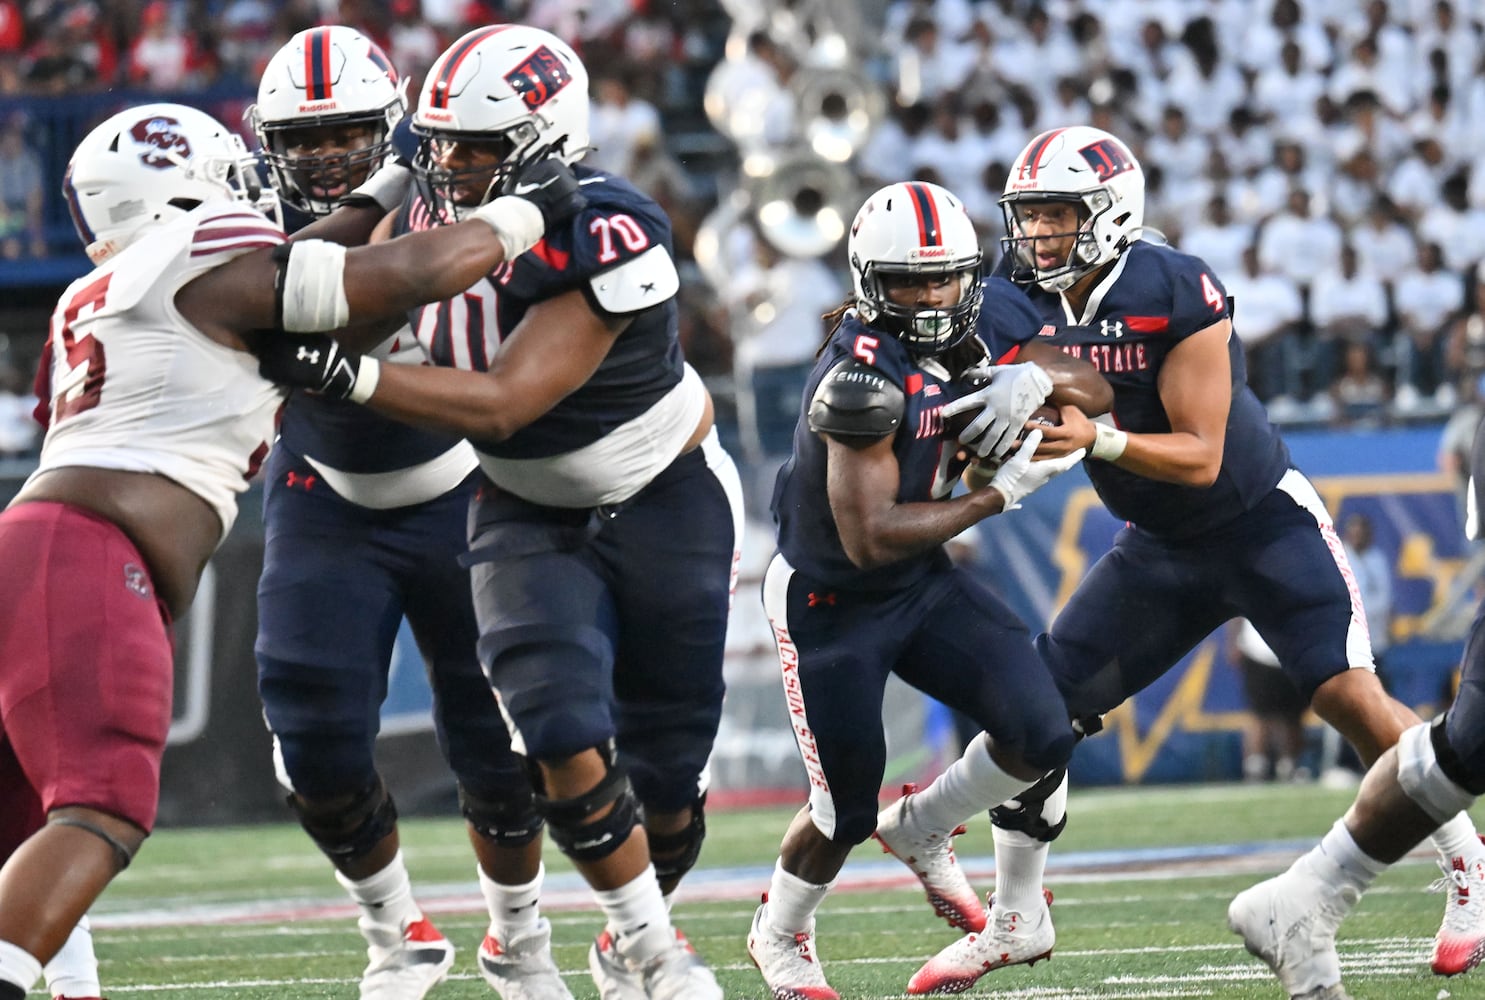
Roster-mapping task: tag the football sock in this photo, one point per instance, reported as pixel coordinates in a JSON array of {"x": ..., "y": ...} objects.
[
  {"x": 637, "y": 917},
  {"x": 1457, "y": 838},
  {"x": 73, "y": 971},
  {"x": 19, "y": 971},
  {"x": 513, "y": 908},
  {"x": 385, "y": 898},
  {"x": 792, "y": 901},
  {"x": 1021, "y": 859},
  {"x": 971, "y": 784},
  {"x": 1337, "y": 858}
]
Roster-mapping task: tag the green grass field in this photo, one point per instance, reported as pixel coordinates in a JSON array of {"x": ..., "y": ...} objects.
[{"x": 253, "y": 913}]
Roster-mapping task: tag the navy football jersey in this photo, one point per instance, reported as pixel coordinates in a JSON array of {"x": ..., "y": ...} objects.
[
  {"x": 807, "y": 534},
  {"x": 349, "y": 437},
  {"x": 618, "y": 224},
  {"x": 1153, "y": 298}
]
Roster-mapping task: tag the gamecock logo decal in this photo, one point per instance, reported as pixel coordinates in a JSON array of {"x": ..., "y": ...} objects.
[{"x": 161, "y": 137}]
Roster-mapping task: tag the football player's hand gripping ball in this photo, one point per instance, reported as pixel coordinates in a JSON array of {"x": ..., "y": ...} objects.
[
  {"x": 1019, "y": 476},
  {"x": 1012, "y": 395}
]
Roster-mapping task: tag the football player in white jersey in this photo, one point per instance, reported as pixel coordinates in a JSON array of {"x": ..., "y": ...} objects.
[{"x": 157, "y": 418}]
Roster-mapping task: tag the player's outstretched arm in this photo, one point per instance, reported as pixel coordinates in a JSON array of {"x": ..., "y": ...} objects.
[{"x": 314, "y": 285}]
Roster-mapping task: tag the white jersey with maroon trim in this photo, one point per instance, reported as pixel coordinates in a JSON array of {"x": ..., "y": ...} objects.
[{"x": 134, "y": 386}]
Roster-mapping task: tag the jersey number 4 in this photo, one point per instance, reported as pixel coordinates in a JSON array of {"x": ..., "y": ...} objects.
[{"x": 81, "y": 384}]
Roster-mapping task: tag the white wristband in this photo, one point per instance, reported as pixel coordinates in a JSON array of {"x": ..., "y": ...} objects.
[
  {"x": 368, "y": 374},
  {"x": 387, "y": 187},
  {"x": 518, "y": 223},
  {"x": 1108, "y": 443}
]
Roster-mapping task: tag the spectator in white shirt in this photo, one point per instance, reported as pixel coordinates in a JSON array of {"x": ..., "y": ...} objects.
[
  {"x": 1267, "y": 313},
  {"x": 1346, "y": 307},
  {"x": 1455, "y": 226},
  {"x": 1218, "y": 239},
  {"x": 1427, "y": 299},
  {"x": 1298, "y": 242},
  {"x": 1384, "y": 244},
  {"x": 1288, "y": 90},
  {"x": 620, "y": 122},
  {"x": 1414, "y": 183}
]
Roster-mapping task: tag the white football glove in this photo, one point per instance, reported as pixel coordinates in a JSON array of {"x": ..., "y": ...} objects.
[
  {"x": 1019, "y": 476},
  {"x": 1014, "y": 392}
]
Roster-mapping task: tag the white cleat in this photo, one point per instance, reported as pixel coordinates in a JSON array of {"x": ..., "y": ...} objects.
[
  {"x": 613, "y": 976},
  {"x": 677, "y": 973},
  {"x": 930, "y": 855},
  {"x": 1009, "y": 938},
  {"x": 405, "y": 966},
  {"x": 522, "y": 968},
  {"x": 1290, "y": 922},
  {"x": 1460, "y": 943},
  {"x": 787, "y": 961}
]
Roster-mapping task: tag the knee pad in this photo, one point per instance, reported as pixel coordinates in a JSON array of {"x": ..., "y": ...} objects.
[
  {"x": 1027, "y": 813},
  {"x": 567, "y": 819},
  {"x": 674, "y": 854},
  {"x": 1423, "y": 779},
  {"x": 349, "y": 830},
  {"x": 511, "y": 821},
  {"x": 123, "y": 854}
]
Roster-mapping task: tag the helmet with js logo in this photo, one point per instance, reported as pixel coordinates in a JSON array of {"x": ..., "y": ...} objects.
[
  {"x": 1089, "y": 169},
  {"x": 517, "y": 92},
  {"x": 151, "y": 164},
  {"x": 323, "y": 78},
  {"x": 916, "y": 230}
]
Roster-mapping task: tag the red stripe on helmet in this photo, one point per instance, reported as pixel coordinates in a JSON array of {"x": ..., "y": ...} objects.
[
  {"x": 443, "y": 73},
  {"x": 317, "y": 82},
  {"x": 927, "y": 209},
  {"x": 1038, "y": 147}
]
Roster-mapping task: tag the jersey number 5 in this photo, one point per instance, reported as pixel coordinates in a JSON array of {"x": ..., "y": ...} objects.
[{"x": 81, "y": 385}]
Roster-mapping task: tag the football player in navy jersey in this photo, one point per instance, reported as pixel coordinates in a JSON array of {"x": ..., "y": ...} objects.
[
  {"x": 606, "y": 529},
  {"x": 861, "y": 586},
  {"x": 1433, "y": 772},
  {"x": 364, "y": 522},
  {"x": 1220, "y": 523}
]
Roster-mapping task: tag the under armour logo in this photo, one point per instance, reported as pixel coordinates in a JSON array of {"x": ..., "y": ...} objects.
[
  {"x": 816, "y": 599},
  {"x": 310, "y": 355},
  {"x": 1111, "y": 328},
  {"x": 293, "y": 479},
  {"x": 648, "y": 286}
]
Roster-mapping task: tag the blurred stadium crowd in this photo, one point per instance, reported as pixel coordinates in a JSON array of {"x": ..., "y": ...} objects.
[{"x": 1325, "y": 157}]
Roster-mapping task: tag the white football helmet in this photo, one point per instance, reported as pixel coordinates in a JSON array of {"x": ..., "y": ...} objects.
[
  {"x": 151, "y": 164},
  {"x": 518, "y": 90},
  {"x": 330, "y": 77},
  {"x": 1091, "y": 168},
  {"x": 916, "y": 228}
]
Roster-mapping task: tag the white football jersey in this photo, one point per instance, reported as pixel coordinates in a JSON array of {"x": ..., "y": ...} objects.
[{"x": 136, "y": 387}]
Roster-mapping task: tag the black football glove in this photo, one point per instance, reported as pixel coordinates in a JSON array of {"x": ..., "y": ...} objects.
[
  {"x": 314, "y": 362},
  {"x": 550, "y": 185}
]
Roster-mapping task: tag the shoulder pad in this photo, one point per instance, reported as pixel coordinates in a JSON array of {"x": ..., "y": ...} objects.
[
  {"x": 638, "y": 283},
  {"x": 855, "y": 400}
]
